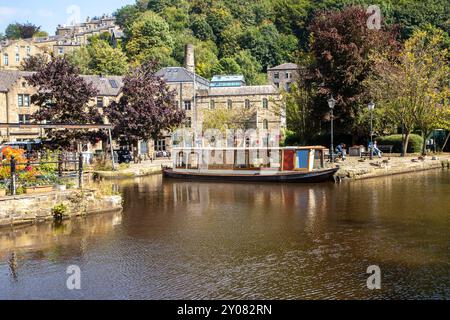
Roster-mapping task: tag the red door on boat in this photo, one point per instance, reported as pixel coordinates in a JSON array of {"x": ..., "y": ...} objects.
[{"x": 288, "y": 160}]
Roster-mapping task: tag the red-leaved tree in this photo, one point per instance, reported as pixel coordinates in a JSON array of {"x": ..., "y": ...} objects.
[
  {"x": 63, "y": 98},
  {"x": 146, "y": 108},
  {"x": 341, "y": 46}
]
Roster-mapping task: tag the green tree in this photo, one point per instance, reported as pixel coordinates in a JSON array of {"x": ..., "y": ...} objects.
[
  {"x": 13, "y": 31},
  {"x": 413, "y": 89},
  {"x": 410, "y": 15},
  {"x": 126, "y": 16},
  {"x": 99, "y": 58},
  {"x": 150, "y": 38},
  {"x": 226, "y": 66},
  {"x": 291, "y": 16},
  {"x": 177, "y": 18},
  {"x": 201, "y": 28},
  {"x": 219, "y": 18},
  {"x": 267, "y": 45},
  {"x": 17, "y": 30},
  {"x": 41, "y": 34},
  {"x": 250, "y": 68}
]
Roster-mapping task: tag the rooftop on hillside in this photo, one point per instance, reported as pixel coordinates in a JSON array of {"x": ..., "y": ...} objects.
[{"x": 284, "y": 66}]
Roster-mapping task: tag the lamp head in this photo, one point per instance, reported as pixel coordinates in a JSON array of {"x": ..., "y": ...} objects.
[{"x": 331, "y": 102}]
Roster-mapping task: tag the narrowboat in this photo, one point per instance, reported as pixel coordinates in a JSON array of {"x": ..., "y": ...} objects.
[{"x": 289, "y": 164}]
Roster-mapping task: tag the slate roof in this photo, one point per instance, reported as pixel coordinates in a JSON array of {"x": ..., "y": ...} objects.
[
  {"x": 9, "y": 77},
  {"x": 180, "y": 74},
  {"x": 105, "y": 85},
  {"x": 284, "y": 66}
]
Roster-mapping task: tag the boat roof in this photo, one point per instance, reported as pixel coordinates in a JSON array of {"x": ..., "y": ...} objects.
[{"x": 251, "y": 148}]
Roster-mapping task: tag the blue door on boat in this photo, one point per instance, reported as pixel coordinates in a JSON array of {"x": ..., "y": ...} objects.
[{"x": 302, "y": 159}]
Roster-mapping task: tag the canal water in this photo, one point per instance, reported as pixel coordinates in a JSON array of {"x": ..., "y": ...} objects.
[{"x": 179, "y": 240}]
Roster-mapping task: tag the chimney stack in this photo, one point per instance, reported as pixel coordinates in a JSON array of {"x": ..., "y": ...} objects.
[{"x": 189, "y": 58}]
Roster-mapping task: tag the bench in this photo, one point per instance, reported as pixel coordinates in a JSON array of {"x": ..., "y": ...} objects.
[{"x": 383, "y": 148}]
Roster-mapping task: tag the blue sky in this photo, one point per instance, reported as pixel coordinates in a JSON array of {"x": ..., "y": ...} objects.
[{"x": 50, "y": 13}]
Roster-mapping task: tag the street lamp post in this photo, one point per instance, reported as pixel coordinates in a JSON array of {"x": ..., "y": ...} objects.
[
  {"x": 371, "y": 107},
  {"x": 332, "y": 104}
]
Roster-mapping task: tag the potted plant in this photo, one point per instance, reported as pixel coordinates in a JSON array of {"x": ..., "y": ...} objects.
[{"x": 38, "y": 186}]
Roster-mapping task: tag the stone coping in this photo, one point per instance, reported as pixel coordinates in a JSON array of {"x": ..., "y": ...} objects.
[{"x": 37, "y": 195}]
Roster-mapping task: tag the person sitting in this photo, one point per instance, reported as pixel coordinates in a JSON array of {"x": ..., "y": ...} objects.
[
  {"x": 375, "y": 150},
  {"x": 340, "y": 149}
]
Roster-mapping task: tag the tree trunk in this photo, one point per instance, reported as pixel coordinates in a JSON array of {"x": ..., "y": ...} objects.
[
  {"x": 424, "y": 143},
  {"x": 405, "y": 143}
]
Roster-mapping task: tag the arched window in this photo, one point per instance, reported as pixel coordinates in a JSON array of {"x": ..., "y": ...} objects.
[
  {"x": 265, "y": 103},
  {"x": 181, "y": 160},
  {"x": 5, "y": 59},
  {"x": 247, "y": 104},
  {"x": 265, "y": 124},
  {"x": 17, "y": 58},
  {"x": 230, "y": 104}
]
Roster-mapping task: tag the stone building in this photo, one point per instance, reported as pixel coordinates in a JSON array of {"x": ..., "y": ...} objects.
[
  {"x": 57, "y": 45},
  {"x": 194, "y": 94},
  {"x": 13, "y": 52},
  {"x": 283, "y": 76},
  {"x": 81, "y": 32},
  {"x": 16, "y": 106},
  {"x": 67, "y": 39},
  {"x": 226, "y": 92}
]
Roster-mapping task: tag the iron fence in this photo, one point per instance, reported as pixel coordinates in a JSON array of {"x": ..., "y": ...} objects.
[{"x": 42, "y": 170}]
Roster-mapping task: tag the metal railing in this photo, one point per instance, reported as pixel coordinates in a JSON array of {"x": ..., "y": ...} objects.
[{"x": 67, "y": 166}]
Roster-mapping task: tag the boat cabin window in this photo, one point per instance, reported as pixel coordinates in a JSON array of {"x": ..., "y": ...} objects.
[
  {"x": 181, "y": 160},
  {"x": 319, "y": 159},
  {"x": 194, "y": 161}
]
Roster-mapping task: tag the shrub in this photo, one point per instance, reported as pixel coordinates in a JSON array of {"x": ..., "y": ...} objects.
[
  {"x": 290, "y": 139},
  {"x": 58, "y": 211},
  {"x": 414, "y": 146},
  {"x": 102, "y": 165}
]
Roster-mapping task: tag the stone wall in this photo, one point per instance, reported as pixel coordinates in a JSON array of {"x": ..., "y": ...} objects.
[{"x": 31, "y": 209}]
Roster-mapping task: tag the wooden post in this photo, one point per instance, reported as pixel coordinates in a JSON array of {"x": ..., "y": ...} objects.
[
  {"x": 112, "y": 149},
  {"x": 13, "y": 176},
  {"x": 60, "y": 164},
  {"x": 80, "y": 170}
]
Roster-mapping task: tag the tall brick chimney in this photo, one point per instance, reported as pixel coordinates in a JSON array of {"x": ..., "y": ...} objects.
[{"x": 189, "y": 58}]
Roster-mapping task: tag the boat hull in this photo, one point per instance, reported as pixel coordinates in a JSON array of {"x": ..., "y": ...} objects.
[{"x": 285, "y": 177}]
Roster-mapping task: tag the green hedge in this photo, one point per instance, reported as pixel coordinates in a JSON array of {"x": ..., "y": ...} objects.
[{"x": 414, "y": 146}]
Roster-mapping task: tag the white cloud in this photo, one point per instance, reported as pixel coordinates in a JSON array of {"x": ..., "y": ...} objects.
[{"x": 6, "y": 12}]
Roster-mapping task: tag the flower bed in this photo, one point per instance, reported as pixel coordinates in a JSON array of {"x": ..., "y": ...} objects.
[{"x": 31, "y": 177}]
